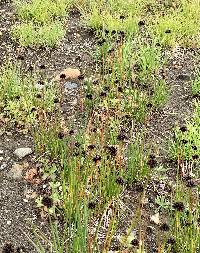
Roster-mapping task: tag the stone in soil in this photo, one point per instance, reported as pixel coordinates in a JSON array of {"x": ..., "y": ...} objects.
[
  {"x": 68, "y": 73},
  {"x": 70, "y": 85},
  {"x": 22, "y": 152}
]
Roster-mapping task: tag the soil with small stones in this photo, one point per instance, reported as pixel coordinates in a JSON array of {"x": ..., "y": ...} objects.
[{"x": 16, "y": 213}]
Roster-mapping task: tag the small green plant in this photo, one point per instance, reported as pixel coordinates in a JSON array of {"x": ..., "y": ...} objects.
[
  {"x": 29, "y": 34},
  {"x": 196, "y": 85},
  {"x": 187, "y": 139},
  {"x": 160, "y": 93},
  {"x": 162, "y": 203}
]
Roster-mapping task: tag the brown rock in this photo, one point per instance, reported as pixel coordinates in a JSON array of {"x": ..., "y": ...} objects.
[{"x": 68, "y": 73}]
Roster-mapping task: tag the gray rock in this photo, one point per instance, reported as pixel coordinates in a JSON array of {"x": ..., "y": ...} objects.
[
  {"x": 22, "y": 152},
  {"x": 70, "y": 85}
]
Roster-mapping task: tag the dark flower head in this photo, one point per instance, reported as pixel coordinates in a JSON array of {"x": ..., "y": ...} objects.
[
  {"x": 17, "y": 97},
  {"x": 48, "y": 202},
  {"x": 30, "y": 68},
  {"x": 101, "y": 42},
  {"x": 103, "y": 94},
  {"x": 61, "y": 135},
  {"x": 190, "y": 183},
  {"x": 151, "y": 163},
  {"x": 122, "y": 17},
  {"x": 71, "y": 132},
  {"x": 91, "y": 205},
  {"x": 97, "y": 158},
  {"x": 168, "y": 31},
  {"x": 139, "y": 187},
  {"x": 38, "y": 95},
  {"x": 120, "y": 89},
  {"x": 121, "y": 137},
  {"x": 179, "y": 206},
  {"x": 56, "y": 100},
  {"x": 141, "y": 23},
  {"x": 164, "y": 227},
  {"x": 89, "y": 96},
  {"x": 77, "y": 144},
  {"x": 113, "y": 32},
  {"x": 20, "y": 250},
  {"x": 195, "y": 157},
  {"x": 184, "y": 141},
  {"x": 42, "y": 66},
  {"x": 111, "y": 50},
  {"x": 194, "y": 147},
  {"x": 20, "y": 57},
  {"x": 183, "y": 129},
  {"x": 106, "y": 31},
  {"x": 91, "y": 146},
  {"x": 171, "y": 240},
  {"x": 62, "y": 76},
  {"x": 120, "y": 180},
  {"x": 112, "y": 150},
  {"x": 95, "y": 82},
  {"x": 33, "y": 109},
  {"x": 135, "y": 242},
  {"x": 8, "y": 248},
  {"x": 81, "y": 77},
  {"x": 122, "y": 34},
  {"x": 198, "y": 221}
]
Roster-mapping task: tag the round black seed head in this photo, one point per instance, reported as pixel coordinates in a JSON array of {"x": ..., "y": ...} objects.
[
  {"x": 198, "y": 221},
  {"x": 149, "y": 105},
  {"x": 33, "y": 109},
  {"x": 179, "y": 206},
  {"x": 101, "y": 42},
  {"x": 112, "y": 150},
  {"x": 120, "y": 89},
  {"x": 20, "y": 250},
  {"x": 42, "y": 66},
  {"x": 195, "y": 157},
  {"x": 71, "y": 132},
  {"x": 113, "y": 32},
  {"x": 194, "y": 147},
  {"x": 164, "y": 227},
  {"x": 62, "y": 76},
  {"x": 122, "y": 34},
  {"x": 121, "y": 137},
  {"x": 38, "y": 95},
  {"x": 135, "y": 242},
  {"x": 17, "y": 97},
  {"x": 103, "y": 94},
  {"x": 152, "y": 163},
  {"x": 81, "y": 77},
  {"x": 168, "y": 31},
  {"x": 171, "y": 240},
  {"x": 30, "y": 68},
  {"x": 91, "y": 205},
  {"x": 157, "y": 44},
  {"x": 77, "y": 144},
  {"x": 89, "y": 96},
  {"x": 48, "y": 202},
  {"x": 141, "y": 23},
  {"x": 106, "y": 31},
  {"x": 190, "y": 183},
  {"x": 91, "y": 147},
  {"x": 20, "y": 57},
  {"x": 8, "y": 248},
  {"x": 122, "y": 17},
  {"x": 95, "y": 82},
  {"x": 56, "y": 100},
  {"x": 183, "y": 129},
  {"x": 184, "y": 141},
  {"x": 61, "y": 135},
  {"x": 120, "y": 180},
  {"x": 139, "y": 187},
  {"x": 96, "y": 158}
]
